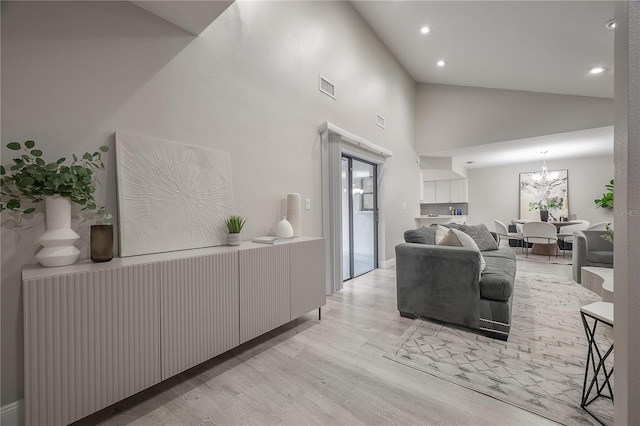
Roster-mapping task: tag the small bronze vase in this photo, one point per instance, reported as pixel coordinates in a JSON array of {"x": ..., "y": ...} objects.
[{"x": 101, "y": 243}]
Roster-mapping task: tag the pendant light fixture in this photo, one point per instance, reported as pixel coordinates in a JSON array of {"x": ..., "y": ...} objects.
[{"x": 544, "y": 176}]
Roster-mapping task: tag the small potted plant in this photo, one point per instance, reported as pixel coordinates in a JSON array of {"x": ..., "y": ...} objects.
[
  {"x": 234, "y": 227},
  {"x": 29, "y": 179}
]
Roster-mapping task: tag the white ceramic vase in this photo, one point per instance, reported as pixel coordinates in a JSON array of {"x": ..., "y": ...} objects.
[
  {"x": 59, "y": 239},
  {"x": 284, "y": 229},
  {"x": 294, "y": 214}
]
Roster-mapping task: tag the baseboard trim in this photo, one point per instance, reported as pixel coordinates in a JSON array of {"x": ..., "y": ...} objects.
[
  {"x": 387, "y": 264},
  {"x": 12, "y": 414}
]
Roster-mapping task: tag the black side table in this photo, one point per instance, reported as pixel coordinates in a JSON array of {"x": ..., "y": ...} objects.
[{"x": 598, "y": 312}]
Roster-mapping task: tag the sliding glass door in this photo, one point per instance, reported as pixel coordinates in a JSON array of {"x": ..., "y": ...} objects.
[{"x": 359, "y": 217}]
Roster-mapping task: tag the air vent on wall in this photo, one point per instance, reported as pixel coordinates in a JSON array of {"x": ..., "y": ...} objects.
[
  {"x": 380, "y": 120},
  {"x": 327, "y": 87}
]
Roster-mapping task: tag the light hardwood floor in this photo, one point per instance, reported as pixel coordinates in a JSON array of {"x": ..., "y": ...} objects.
[{"x": 318, "y": 372}]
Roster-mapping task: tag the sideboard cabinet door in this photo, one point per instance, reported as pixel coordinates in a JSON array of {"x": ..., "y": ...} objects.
[
  {"x": 200, "y": 310},
  {"x": 265, "y": 290},
  {"x": 308, "y": 277},
  {"x": 90, "y": 340}
]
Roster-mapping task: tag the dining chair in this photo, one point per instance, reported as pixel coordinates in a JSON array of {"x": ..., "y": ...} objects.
[
  {"x": 565, "y": 233},
  {"x": 503, "y": 232},
  {"x": 539, "y": 233}
]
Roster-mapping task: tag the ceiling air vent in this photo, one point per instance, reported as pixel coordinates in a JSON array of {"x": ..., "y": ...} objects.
[
  {"x": 327, "y": 87},
  {"x": 380, "y": 120}
]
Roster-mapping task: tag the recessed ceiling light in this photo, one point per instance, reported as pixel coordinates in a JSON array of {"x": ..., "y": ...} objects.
[
  {"x": 597, "y": 70},
  {"x": 441, "y": 63},
  {"x": 424, "y": 29},
  {"x": 611, "y": 24}
]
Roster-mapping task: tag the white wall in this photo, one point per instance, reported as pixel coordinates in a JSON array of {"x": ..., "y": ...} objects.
[
  {"x": 74, "y": 72},
  {"x": 450, "y": 117},
  {"x": 494, "y": 191}
]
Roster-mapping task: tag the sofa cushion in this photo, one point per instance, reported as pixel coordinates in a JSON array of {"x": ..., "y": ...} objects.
[
  {"x": 457, "y": 238},
  {"x": 600, "y": 257},
  {"x": 424, "y": 235},
  {"x": 481, "y": 235},
  {"x": 496, "y": 282}
]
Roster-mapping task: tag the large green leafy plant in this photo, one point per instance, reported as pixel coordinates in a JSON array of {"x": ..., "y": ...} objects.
[
  {"x": 29, "y": 179},
  {"x": 607, "y": 198}
]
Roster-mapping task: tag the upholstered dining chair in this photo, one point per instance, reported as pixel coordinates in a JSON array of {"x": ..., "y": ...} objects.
[
  {"x": 566, "y": 233},
  {"x": 503, "y": 232},
  {"x": 539, "y": 233}
]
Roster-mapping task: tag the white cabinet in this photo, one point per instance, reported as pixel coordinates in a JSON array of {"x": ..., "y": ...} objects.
[
  {"x": 265, "y": 290},
  {"x": 429, "y": 192},
  {"x": 308, "y": 280},
  {"x": 459, "y": 191},
  {"x": 445, "y": 191},
  {"x": 91, "y": 338},
  {"x": 200, "y": 309},
  {"x": 96, "y": 333}
]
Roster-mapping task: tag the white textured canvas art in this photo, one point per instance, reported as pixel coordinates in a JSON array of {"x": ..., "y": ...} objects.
[{"x": 171, "y": 196}]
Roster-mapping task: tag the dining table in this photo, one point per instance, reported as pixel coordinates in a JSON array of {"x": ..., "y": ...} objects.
[{"x": 549, "y": 249}]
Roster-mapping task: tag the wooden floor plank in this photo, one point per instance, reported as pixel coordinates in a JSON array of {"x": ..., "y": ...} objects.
[{"x": 329, "y": 372}]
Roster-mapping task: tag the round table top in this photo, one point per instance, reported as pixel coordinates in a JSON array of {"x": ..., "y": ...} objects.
[{"x": 558, "y": 224}]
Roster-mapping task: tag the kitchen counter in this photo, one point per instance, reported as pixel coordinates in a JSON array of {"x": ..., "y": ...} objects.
[{"x": 425, "y": 220}]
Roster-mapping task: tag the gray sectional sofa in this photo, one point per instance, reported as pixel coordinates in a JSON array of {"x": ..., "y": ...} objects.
[{"x": 445, "y": 283}]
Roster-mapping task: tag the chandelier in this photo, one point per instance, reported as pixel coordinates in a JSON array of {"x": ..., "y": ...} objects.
[{"x": 544, "y": 176}]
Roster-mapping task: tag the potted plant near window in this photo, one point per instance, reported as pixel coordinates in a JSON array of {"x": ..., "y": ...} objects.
[
  {"x": 234, "y": 226},
  {"x": 29, "y": 179}
]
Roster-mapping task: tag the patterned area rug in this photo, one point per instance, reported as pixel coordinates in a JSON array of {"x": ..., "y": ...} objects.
[{"x": 541, "y": 366}]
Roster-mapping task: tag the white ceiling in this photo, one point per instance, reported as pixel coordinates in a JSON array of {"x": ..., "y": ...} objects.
[
  {"x": 582, "y": 143},
  {"x": 538, "y": 46}
]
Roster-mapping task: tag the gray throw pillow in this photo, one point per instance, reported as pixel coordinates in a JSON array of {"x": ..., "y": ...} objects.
[
  {"x": 481, "y": 235},
  {"x": 422, "y": 235}
]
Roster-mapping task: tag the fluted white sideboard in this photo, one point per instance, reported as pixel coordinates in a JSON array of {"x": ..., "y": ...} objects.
[{"x": 96, "y": 333}]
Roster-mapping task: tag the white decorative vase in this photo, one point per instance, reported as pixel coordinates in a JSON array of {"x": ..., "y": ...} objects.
[
  {"x": 294, "y": 215},
  {"x": 284, "y": 229},
  {"x": 233, "y": 239},
  {"x": 59, "y": 239}
]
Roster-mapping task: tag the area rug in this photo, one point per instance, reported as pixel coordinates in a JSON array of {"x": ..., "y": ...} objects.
[{"x": 541, "y": 366}]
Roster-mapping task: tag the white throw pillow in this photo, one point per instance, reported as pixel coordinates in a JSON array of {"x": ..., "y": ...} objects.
[
  {"x": 441, "y": 232},
  {"x": 457, "y": 238}
]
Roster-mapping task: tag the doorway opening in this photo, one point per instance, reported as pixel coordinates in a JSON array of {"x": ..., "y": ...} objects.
[{"x": 359, "y": 217}]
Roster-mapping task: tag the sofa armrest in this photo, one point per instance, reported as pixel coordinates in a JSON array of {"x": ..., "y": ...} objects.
[
  {"x": 439, "y": 282},
  {"x": 578, "y": 254}
]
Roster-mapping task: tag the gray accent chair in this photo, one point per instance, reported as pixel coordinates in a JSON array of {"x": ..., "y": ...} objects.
[
  {"x": 444, "y": 283},
  {"x": 590, "y": 249}
]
